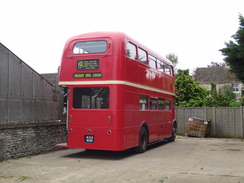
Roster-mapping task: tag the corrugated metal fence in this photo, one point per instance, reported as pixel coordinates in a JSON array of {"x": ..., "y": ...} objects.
[
  {"x": 25, "y": 96},
  {"x": 225, "y": 121}
]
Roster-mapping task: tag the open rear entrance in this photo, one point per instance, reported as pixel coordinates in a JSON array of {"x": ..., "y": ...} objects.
[{"x": 91, "y": 98}]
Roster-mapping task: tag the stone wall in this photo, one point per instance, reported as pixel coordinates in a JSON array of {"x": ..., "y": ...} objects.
[
  {"x": 30, "y": 139},
  {"x": 29, "y": 109}
]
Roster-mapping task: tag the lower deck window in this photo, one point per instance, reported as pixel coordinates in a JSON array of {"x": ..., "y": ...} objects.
[
  {"x": 168, "y": 105},
  {"x": 143, "y": 102},
  {"x": 158, "y": 104},
  {"x": 161, "y": 104},
  {"x": 153, "y": 104},
  {"x": 91, "y": 98}
]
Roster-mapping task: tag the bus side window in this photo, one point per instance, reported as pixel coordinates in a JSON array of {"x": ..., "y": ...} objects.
[
  {"x": 168, "y": 105},
  {"x": 168, "y": 70},
  {"x": 131, "y": 51},
  {"x": 142, "y": 56},
  {"x": 153, "y": 104},
  {"x": 143, "y": 102},
  {"x": 152, "y": 61},
  {"x": 160, "y": 65},
  {"x": 161, "y": 104}
]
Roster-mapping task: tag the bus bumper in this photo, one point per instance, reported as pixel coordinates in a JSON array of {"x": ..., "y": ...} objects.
[{"x": 62, "y": 145}]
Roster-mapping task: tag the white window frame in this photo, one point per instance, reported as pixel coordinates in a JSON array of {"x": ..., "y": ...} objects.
[{"x": 235, "y": 88}]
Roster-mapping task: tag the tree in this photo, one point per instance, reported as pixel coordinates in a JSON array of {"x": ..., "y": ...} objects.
[
  {"x": 234, "y": 52},
  {"x": 191, "y": 94},
  {"x": 216, "y": 64},
  {"x": 222, "y": 98},
  {"x": 216, "y": 99},
  {"x": 173, "y": 58},
  {"x": 242, "y": 101}
]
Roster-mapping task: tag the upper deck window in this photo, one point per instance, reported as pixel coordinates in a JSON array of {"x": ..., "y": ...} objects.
[
  {"x": 131, "y": 51},
  {"x": 168, "y": 70},
  {"x": 152, "y": 61},
  {"x": 86, "y": 47},
  {"x": 160, "y": 65},
  {"x": 142, "y": 56}
]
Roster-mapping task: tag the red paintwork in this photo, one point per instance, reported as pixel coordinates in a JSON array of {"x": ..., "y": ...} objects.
[{"x": 126, "y": 118}]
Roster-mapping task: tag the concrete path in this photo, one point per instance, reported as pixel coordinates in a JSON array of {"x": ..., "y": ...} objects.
[{"x": 187, "y": 160}]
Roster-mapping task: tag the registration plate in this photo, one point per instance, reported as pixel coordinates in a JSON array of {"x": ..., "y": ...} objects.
[{"x": 89, "y": 138}]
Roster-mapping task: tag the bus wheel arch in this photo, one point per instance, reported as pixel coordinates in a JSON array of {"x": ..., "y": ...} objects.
[{"x": 143, "y": 138}]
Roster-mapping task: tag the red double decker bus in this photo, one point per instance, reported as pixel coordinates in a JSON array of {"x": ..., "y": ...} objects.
[{"x": 120, "y": 93}]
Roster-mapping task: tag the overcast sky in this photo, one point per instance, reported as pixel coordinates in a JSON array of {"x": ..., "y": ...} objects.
[{"x": 195, "y": 30}]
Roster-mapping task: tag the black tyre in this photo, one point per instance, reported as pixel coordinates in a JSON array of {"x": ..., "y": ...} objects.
[
  {"x": 143, "y": 140},
  {"x": 174, "y": 129}
]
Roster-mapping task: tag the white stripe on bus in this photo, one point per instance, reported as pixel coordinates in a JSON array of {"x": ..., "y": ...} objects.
[{"x": 64, "y": 83}]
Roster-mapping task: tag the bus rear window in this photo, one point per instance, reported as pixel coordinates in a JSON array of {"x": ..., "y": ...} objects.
[
  {"x": 87, "y": 47},
  {"x": 91, "y": 98}
]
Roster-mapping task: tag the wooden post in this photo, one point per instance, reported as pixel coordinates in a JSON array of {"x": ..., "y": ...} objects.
[
  {"x": 241, "y": 108},
  {"x": 214, "y": 121}
]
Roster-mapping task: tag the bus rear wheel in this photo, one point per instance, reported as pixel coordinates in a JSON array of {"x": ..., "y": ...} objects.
[
  {"x": 174, "y": 129},
  {"x": 143, "y": 140}
]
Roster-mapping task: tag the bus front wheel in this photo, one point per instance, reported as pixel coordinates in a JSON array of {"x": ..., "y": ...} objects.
[{"x": 143, "y": 140}]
